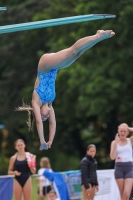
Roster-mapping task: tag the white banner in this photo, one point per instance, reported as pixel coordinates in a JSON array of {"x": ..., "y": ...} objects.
[{"x": 108, "y": 189}]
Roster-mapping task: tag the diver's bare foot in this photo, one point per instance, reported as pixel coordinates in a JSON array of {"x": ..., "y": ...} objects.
[{"x": 105, "y": 34}]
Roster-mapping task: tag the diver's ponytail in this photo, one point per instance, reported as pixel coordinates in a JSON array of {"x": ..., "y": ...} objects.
[{"x": 31, "y": 117}]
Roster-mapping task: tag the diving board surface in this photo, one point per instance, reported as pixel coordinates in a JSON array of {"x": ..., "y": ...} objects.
[{"x": 52, "y": 22}]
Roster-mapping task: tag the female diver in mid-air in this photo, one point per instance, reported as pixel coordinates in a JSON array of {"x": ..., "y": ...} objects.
[{"x": 44, "y": 89}]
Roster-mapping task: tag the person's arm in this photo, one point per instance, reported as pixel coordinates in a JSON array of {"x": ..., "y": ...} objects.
[
  {"x": 97, "y": 185},
  {"x": 52, "y": 126},
  {"x": 131, "y": 138},
  {"x": 33, "y": 170},
  {"x": 31, "y": 162},
  {"x": 114, "y": 147},
  {"x": 130, "y": 129},
  {"x": 97, "y": 188},
  {"x": 39, "y": 123},
  {"x": 84, "y": 173},
  {"x": 37, "y": 179},
  {"x": 96, "y": 178},
  {"x": 11, "y": 167}
]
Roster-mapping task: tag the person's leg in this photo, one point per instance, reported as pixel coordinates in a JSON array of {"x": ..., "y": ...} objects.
[
  {"x": 120, "y": 176},
  {"x": 66, "y": 57},
  {"x": 87, "y": 195},
  {"x": 93, "y": 192},
  {"x": 128, "y": 180},
  {"x": 120, "y": 184},
  {"x": 128, "y": 183},
  {"x": 131, "y": 194},
  {"x": 17, "y": 190},
  {"x": 47, "y": 190},
  {"x": 27, "y": 189}
]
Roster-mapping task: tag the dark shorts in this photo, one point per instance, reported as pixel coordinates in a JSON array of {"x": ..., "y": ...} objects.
[
  {"x": 123, "y": 170},
  {"x": 46, "y": 190}
]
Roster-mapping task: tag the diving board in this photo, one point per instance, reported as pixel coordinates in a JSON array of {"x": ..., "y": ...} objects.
[
  {"x": 3, "y": 8},
  {"x": 52, "y": 22}
]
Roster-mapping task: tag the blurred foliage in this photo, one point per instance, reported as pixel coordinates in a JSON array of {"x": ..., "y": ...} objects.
[{"x": 94, "y": 95}]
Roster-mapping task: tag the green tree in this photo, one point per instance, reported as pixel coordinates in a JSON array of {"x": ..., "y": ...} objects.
[{"x": 94, "y": 95}]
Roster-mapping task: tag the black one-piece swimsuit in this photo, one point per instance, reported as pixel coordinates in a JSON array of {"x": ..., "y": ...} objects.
[{"x": 22, "y": 166}]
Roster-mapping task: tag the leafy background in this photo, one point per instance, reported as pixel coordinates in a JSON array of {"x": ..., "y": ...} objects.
[{"x": 94, "y": 95}]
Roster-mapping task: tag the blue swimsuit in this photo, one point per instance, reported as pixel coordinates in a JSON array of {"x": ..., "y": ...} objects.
[{"x": 46, "y": 87}]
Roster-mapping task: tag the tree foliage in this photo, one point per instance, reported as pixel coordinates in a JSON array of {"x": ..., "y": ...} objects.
[{"x": 94, "y": 95}]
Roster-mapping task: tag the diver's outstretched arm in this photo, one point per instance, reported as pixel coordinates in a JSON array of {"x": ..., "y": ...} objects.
[
  {"x": 39, "y": 123},
  {"x": 66, "y": 57},
  {"x": 52, "y": 127}
]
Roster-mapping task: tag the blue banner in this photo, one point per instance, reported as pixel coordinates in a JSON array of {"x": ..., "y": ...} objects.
[
  {"x": 58, "y": 180},
  {"x": 6, "y": 188}
]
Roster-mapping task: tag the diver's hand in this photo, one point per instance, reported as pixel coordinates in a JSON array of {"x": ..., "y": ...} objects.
[
  {"x": 49, "y": 143},
  {"x": 43, "y": 146}
]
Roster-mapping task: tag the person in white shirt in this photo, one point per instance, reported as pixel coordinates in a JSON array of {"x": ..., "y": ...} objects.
[
  {"x": 44, "y": 183},
  {"x": 121, "y": 152}
]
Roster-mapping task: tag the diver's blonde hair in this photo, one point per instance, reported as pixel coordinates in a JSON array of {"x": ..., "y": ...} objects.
[{"x": 31, "y": 117}]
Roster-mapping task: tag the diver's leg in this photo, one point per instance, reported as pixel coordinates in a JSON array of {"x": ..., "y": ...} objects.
[{"x": 66, "y": 57}]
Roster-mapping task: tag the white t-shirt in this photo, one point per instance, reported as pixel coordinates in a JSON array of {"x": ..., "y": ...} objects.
[
  {"x": 124, "y": 153},
  {"x": 46, "y": 182}
]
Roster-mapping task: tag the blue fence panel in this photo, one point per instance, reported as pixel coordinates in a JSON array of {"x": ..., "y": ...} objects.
[
  {"x": 73, "y": 182},
  {"x": 6, "y": 188}
]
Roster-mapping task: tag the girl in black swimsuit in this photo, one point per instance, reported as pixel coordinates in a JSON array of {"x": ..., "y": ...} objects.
[{"x": 21, "y": 167}]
